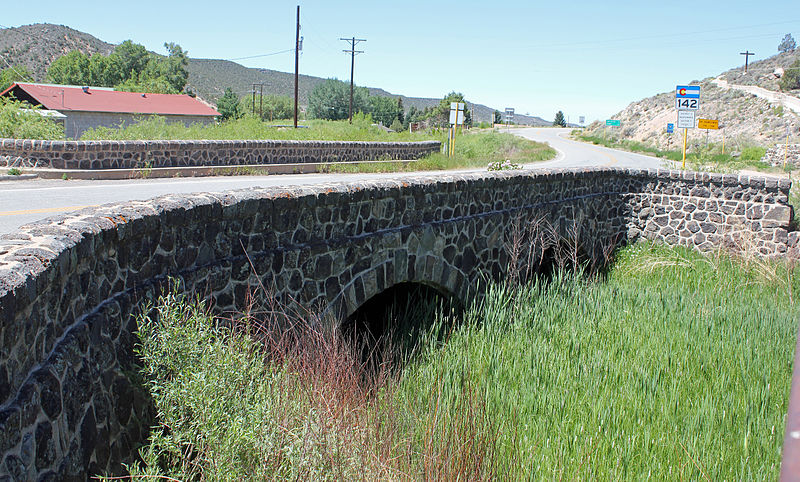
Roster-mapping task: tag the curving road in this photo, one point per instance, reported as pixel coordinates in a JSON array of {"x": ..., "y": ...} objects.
[{"x": 27, "y": 201}]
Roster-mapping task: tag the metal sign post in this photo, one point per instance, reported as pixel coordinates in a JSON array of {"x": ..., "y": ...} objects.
[
  {"x": 456, "y": 119},
  {"x": 509, "y": 117}
]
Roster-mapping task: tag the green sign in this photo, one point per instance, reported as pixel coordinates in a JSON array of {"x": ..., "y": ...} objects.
[{"x": 613, "y": 122}]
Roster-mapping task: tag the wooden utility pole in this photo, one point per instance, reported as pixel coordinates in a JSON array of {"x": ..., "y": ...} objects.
[
  {"x": 353, "y": 41},
  {"x": 747, "y": 55},
  {"x": 296, "y": 64}
]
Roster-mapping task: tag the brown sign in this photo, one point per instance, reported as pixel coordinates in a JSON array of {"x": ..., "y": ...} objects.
[{"x": 707, "y": 124}]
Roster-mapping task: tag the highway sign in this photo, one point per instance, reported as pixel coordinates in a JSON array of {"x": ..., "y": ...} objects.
[
  {"x": 581, "y": 119},
  {"x": 670, "y": 128},
  {"x": 707, "y": 124},
  {"x": 687, "y": 97},
  {"x": 613, "y": 122},
  {"x": 687, "y": 92},
  {"x": 509, "y": 114},
  {"x": 685, "y": 119}
]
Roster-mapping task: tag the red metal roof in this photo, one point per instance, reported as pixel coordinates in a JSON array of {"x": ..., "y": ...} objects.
[{"x": 97, "y": 99}]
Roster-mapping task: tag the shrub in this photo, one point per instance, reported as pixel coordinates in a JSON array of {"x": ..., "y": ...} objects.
[{"x": 19, "y": 120}]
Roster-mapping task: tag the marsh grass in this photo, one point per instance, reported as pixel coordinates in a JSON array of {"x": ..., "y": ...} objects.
[{"x": 670, "y": 365}]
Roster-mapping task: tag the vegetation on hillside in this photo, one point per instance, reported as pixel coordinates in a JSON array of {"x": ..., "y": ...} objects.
[
  {"x": 674, "y": 366},
  {"x": 130, "y": 67},
  {"x": 15, "y": 73}
]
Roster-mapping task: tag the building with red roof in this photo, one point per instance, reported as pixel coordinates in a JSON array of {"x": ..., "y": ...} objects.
[{"x": 87, "y": 107}]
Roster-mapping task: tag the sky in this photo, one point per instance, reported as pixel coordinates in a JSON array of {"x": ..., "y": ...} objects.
[{"x": 585, "y": 58}]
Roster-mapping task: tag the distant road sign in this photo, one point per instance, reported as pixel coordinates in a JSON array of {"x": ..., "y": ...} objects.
[
  {"x": 685, "y": 119},
  {"x": 707, "y": 124},
  {"x": 613, "y": 122},
  {"x": 687, "y": 97},
  {"x": 670, "y": 128},
  {"x": 582, "y": 119}
]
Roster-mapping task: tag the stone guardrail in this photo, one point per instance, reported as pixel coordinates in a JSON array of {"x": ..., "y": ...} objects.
[
  {"x": 70, "y": 405},
  {"x": 25, "y": 153}
]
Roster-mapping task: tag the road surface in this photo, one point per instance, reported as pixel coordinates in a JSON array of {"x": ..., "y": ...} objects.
[{"x": 23, "y": 202}]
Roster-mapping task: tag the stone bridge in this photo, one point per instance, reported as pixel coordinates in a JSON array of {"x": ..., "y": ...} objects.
[{"x": 69, "y": 406}]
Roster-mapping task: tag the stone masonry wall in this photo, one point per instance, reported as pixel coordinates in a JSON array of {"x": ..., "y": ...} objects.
[
  {"x": 139, "y": 154},
  {"x": 776, "y": 155},
  {"x": 70, "y": 402}
]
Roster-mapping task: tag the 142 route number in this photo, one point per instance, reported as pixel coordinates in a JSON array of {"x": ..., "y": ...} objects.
[{"x": 687, "y": 104}]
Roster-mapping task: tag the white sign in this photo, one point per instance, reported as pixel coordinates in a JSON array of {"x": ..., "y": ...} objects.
[
  {"x": 457, "y": 117},
  {"x": 581, "y": 119},
  {"x": 685, "y": 119},
  {"x": 687, "y": 104},
  {"x": 456, "y": 106}
]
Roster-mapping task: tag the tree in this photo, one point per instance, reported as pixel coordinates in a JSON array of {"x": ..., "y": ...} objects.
[
  {"x": 16, "y": 73},
  {"x": 787, "y": 44},
  {"x": 412, "y": 116},
  {"x": 498, "y": 117},
  {"x": 401, "y": 111},
  {"x": 396, "y": 126},
  {"x": 228, "y": 105},
  {"x": 71, "y": 69},
  {"x": 790, "y": 79},
  {"x": 383, "y": 109},
  {"x": 271, "y": 107},
  {"x": 130, "y": 67},
  {"x": 441, "y": 113},
  {"x": 560, "y": 121},
  {"x": 331, "y": 100}
]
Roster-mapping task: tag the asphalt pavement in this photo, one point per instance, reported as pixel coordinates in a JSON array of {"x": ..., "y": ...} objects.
[{"x": 25, "y": 201}]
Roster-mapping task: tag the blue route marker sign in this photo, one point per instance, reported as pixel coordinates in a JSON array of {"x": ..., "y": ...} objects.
[{"x": 670, "y": 128}]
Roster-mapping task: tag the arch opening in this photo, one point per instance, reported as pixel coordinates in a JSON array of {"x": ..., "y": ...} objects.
[{"x": 393, "y": 325}]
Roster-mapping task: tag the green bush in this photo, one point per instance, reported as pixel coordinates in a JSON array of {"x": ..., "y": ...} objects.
[
  {"x": 753, "y": 153},
  {"x": 18, "y": 120}
]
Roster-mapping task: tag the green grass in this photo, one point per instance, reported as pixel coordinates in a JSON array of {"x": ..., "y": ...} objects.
[
  {"x": 252, "y": 128},
  {"x": 673, "y": 366}
]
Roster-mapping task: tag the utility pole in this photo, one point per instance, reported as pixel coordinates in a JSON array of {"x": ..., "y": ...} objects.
[
  {"x": 747, "y": 55},
  {"x": 353, "y": 41},
  {"x": 296, "y": 64},
  {"x": 260, "y": 99}
]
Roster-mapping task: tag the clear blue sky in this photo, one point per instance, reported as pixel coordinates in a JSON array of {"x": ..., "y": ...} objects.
[{"x": 587, "y": 58}]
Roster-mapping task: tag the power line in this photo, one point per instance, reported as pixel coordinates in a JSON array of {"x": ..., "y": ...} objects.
[
  {"x": 263, "y": 55},
  {"x": 353, "y": 41}
]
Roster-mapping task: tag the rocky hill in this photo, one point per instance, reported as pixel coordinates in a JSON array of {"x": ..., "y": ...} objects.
[
  {"x": 36, "y": 46},
  {"x": 748, "y": 105}
]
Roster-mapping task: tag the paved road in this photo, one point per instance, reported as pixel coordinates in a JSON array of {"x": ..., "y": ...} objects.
[
  {"x": 579, "y": 154},
  {"x": 23, "y": 202}
]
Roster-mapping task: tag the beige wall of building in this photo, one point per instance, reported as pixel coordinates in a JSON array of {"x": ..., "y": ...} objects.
[{"x": 76, "y": 123}]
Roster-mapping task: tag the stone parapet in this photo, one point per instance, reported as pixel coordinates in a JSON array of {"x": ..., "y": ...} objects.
[{"x": 29, "y": 153}]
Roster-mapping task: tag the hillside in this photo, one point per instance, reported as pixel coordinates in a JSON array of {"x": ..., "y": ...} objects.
[
  {"x": 37, "y": 45},
  {"x": 749, "y": 107}
]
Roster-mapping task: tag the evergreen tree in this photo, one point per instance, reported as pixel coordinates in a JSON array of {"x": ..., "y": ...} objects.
[
  {"x": 498, "y": 117},
  {"x": 331, "y": 100},
  {"x": 787, "y": 44},
  {"x": 560, "y": 121},
  {"x": 228, "y": 105},
  {"x": 400, "y": 111}
]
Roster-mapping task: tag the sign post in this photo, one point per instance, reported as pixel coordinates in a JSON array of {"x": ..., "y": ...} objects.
[
  {"x": 687, "y": 101},
  {"x": 707, "y": 124},
  {"x": 456, "y": 119},
  {"x": 509, "y": 117}
]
